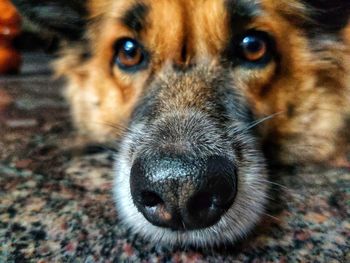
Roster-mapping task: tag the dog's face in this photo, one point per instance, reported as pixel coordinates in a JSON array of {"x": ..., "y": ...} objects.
[
  {"x": 289, "y": 59},
  {"x": 189, "y": 170},
  {"x": 193, "y": 79}
]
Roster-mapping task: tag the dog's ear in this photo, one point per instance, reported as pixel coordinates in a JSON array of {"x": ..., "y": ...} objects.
[
  {"x": 66, "y": 18},
  {"x": 328, "y": 15}
]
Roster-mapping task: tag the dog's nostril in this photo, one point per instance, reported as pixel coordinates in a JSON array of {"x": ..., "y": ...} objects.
[
  {"x": 200, "y": 202},
  {"x": 155, "y": 208},
  {"x": 151, "y": 199}
]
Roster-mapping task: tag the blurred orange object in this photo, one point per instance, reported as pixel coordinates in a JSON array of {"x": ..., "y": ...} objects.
[{"x": 10, "y": 27}]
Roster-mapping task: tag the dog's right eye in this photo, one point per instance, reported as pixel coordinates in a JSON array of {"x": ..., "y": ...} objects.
[{"x": 129, "y": 54}]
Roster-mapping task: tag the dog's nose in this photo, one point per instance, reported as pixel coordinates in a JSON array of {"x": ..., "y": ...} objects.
[{"x": 183, "y": 194}]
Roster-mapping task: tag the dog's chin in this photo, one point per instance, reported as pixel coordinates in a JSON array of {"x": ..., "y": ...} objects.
[{"x": 235, "y": 224}]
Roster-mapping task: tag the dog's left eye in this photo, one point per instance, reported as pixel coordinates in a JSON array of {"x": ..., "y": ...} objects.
[
  {"x": 129, "y": 54},
  {"x": 255, "y": 47}
]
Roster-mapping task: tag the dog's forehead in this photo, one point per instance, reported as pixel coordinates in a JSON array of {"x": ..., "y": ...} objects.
[
  {"x": 134, "y": 14},
  {"x": 138, "y": 15},
  {"x": 166, "y": 26}
]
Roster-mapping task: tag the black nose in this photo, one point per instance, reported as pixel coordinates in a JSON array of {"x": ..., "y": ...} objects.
[{"x": 183, "y": 194}]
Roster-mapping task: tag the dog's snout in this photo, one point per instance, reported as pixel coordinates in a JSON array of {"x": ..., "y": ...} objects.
[{"x": 182, "y": 194}]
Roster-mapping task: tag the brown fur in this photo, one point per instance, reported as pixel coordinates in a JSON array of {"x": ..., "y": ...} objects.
[{"x": 308, "y": 88}]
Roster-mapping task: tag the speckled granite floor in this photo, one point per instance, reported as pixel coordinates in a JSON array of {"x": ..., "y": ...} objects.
[{"x": 56, "y": 204}]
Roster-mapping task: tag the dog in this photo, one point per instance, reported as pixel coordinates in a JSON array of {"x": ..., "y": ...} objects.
[{"x": 203, "y": 95}]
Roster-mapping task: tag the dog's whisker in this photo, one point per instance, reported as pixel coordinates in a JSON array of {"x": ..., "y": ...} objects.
[
  {"x": 272, "y": 217},
  {"x": 259, "y": 121},
  {"x": 274, "y": 183},
  {"x": 118, "y": 127}
]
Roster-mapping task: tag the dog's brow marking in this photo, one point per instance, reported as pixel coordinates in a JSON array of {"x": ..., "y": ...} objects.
[
  {"x": 134, "y": 17},
  {"x": 243, "y": 10}
]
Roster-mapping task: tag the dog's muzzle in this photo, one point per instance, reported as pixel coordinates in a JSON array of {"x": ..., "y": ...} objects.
[{"x": 189, "y": 170}]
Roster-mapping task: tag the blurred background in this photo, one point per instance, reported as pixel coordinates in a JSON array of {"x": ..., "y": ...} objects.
[
  {"x": 18, "y": 34},
  {"x": 36, "y": 25}
]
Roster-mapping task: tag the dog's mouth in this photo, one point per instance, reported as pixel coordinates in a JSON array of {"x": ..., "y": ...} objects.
[{"x": 190, "y": 171}]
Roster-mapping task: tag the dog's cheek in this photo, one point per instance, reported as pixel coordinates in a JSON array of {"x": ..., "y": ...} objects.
[{"x": 98, "y": 105}]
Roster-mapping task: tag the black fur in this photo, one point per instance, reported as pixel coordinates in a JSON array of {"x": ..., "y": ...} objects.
[
  {"x": 134, "y": 18},
  {"x": 241, "y": 13},
  {"x": 329, "y": 16}
]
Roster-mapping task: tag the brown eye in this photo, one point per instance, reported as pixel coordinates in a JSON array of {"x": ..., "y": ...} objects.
[
  {"x": 253, "y": 48},
  {"x": 129, "y": 55}
]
